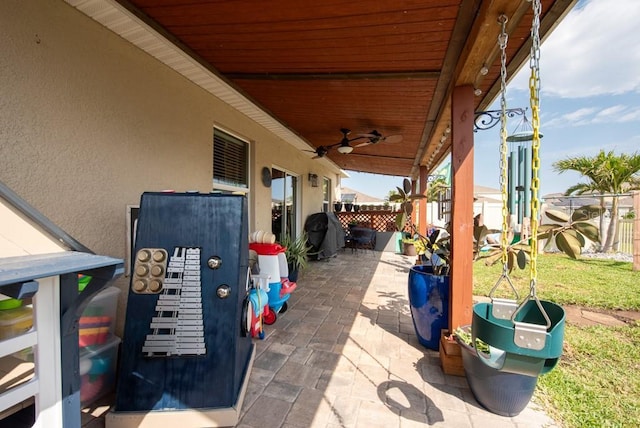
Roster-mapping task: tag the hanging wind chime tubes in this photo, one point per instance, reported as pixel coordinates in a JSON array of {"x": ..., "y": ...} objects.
[
  {"x": 524, "y": 338},
  {"x": 519, "y": 169}
]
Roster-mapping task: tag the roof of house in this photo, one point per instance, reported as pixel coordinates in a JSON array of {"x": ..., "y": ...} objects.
[{"x": 359, "y": 197}]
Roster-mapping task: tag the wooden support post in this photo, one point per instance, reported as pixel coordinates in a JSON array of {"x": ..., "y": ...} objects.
[
  {"x": 636, "y": 231},
  {"x": 461, "y": 284},
  {"x": 422, "y": 203}
]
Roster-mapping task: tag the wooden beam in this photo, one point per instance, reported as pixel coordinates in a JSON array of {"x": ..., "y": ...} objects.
[
  {"x": 551, "y": 19},
  {"x": 422, "y": 203},
  {"x": 461, "y": 281},
  {"x": 436, "y": 115},
  {"x": 404, "y": 75}
]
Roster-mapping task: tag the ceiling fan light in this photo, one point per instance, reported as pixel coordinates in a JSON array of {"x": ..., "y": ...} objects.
[{"x": 345, "y": 149}]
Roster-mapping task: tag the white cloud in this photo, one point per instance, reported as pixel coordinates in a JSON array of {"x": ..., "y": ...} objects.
[
  {"x": 582, "y": 116},
  {"x": 595, "y": 50},
  {"x": 590, "y": 115},
  {"x": 579, "y": 115},
  {"x": 630, "y": 115}
]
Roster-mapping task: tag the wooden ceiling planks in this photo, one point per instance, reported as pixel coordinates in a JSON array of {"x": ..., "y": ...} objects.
[{"x": 363, "y": 65}]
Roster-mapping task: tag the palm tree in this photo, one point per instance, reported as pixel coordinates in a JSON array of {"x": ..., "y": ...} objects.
[
  {"x": 436, "y": 188},
  {"x": 607, "y": 174}
]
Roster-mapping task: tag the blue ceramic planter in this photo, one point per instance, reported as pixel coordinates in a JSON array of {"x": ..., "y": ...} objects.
[{"x": 429, "y": 302}]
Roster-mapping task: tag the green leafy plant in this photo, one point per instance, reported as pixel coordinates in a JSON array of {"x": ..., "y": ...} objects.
[
  {"x": 464, "y": 335},
  {"x": 417, "y": 243},
  {"x": 434, "y": 249},
  {"x": 568, "y": 233},
  {"x": 297, "y": 251},
  {"x": 405, "y": 198}
]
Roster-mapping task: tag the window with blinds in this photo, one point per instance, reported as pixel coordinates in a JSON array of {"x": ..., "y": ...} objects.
[{"x": 230, "y": 162}]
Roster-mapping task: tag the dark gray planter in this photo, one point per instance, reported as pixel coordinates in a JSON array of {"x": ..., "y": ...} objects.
[{"x": 502, "y": 393}]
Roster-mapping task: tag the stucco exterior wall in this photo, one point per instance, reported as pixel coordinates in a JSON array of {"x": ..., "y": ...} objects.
[{"x": 89, "y": 122}]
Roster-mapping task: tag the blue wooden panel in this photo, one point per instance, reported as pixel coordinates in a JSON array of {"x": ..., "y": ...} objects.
[{"x": 217, "y": 224}]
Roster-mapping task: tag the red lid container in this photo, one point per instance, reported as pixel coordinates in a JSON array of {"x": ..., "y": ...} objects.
[{"x": 267, "y": 249}]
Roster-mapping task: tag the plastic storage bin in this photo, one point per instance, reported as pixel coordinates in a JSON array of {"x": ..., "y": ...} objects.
[
  {"x": 14, "y": 322},
  {"x": 98, "y": 319},
  {"x": 98, "y": 370}
]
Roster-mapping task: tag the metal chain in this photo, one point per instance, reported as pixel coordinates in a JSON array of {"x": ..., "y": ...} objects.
[
  {"x": 503, "y": 38},
  {"x": 534, "y": 88}
]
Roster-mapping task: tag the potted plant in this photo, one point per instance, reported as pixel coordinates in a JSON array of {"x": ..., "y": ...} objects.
[
  {"x": 428, "y": 281},
  {"x": 507, "y": 392},
  {"x": 409, "y": 247},
  {"x": 348, "y": 205},
  {"x": 503, "y": 393},
  {"x": 297, "y": 253},
  {"x": 337, "y": 206}
]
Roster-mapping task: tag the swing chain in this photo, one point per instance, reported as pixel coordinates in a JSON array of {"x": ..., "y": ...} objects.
[
  {"x": 503, "y": 308},
  {"x": 534, "y": 87},
  {"x": 503, "y": 38}
]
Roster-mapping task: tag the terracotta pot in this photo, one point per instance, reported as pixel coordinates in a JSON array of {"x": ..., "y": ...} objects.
[{"x": 409, "y": 249}]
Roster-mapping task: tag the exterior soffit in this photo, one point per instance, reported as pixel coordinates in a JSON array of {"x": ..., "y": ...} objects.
[{"x": 132, "y": 28}]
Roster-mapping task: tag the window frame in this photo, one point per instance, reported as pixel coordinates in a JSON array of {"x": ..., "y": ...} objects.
[
  {"x": 245, "y": 188},
  {"x": 326, "y": 195}
]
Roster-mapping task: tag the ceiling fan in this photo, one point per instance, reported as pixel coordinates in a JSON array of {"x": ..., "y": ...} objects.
[
  {"x": 344, "y": 146},
  {"x": 320, "y": 151}
]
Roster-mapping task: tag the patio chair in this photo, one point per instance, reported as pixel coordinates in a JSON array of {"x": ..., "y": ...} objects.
[{"x": 363, "y": 238}]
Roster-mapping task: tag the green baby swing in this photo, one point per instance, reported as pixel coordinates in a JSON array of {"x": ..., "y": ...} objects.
[{"x": 524, "y": 338}]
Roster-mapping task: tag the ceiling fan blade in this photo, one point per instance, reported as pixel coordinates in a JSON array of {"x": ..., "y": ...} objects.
[
  {"x": 376, "y": 138},
  {"x": 366, "y": 143},
  {"x": 391, "y": 139},
  {"x": 369, "y": 135}
]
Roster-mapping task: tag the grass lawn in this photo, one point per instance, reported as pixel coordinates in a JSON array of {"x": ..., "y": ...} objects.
[
  {"x": 597, "y": 381},
  {"x": 593, "y": 283}
]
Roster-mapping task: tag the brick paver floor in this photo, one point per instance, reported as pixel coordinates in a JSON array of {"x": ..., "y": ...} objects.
[{"x": 345, "y": 354}]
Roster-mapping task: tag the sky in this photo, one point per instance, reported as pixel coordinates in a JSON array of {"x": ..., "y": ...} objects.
[{"x": 589, "y": 98}]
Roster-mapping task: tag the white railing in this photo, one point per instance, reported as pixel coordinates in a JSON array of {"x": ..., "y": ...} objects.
[{"x": 45, "y": 384}]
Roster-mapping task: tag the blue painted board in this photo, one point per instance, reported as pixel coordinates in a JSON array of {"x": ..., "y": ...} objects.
[{"x": 217, "y": 224}]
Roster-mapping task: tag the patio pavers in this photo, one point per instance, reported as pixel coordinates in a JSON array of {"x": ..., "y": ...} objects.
[
  {"x": 345, "y": 355},
  {"x": 353, "y": 359}
]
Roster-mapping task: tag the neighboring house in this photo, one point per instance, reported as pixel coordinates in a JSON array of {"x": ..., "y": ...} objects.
[{"x": 359, "y": 197}]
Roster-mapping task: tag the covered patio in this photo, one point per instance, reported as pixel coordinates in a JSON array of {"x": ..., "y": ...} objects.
[
  {"x": 132, "y": 93},
  {"x": 345, "y": 354}
]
